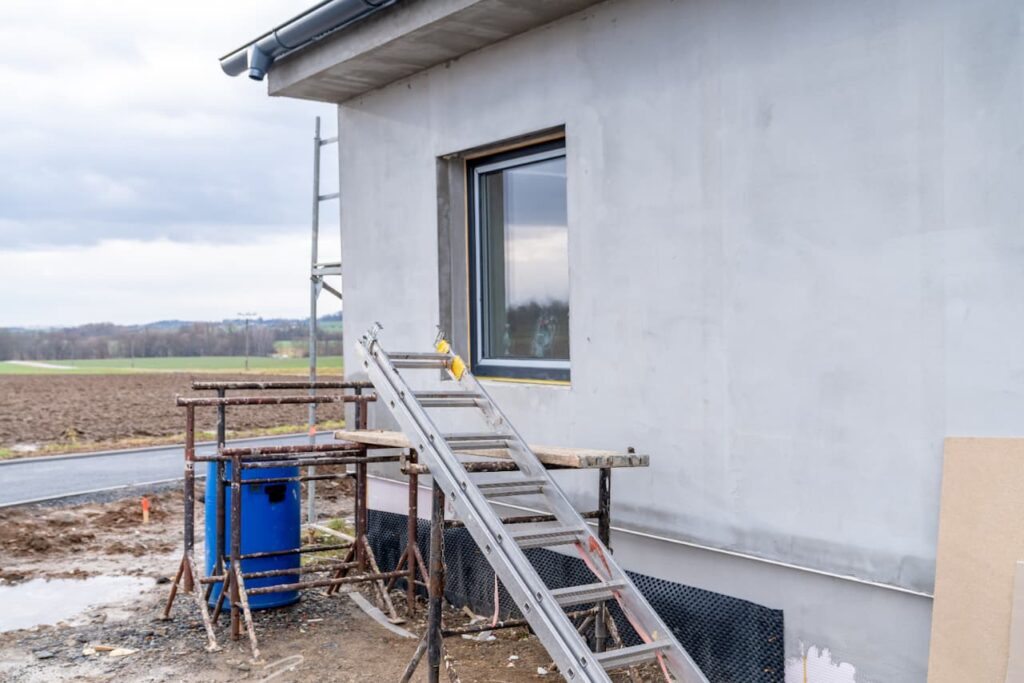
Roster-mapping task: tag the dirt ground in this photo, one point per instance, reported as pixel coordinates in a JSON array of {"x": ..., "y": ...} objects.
[
  {"x": 319, "y": 639},
  {"x": 99, "y": 409}
]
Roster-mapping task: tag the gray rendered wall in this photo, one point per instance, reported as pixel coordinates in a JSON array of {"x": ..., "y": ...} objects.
[{"x": 796, "y": 260}]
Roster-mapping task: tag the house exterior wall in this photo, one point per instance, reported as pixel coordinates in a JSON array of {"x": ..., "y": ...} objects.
[{"x": 796, "y": 258}]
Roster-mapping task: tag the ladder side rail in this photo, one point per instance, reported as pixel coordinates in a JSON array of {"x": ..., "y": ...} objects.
[
  {"x": 597, "y": 555},
  {"x": 527, "y": 460},
  {"x": 315, "y": 283},
  {"x": 549, "y": 620}
]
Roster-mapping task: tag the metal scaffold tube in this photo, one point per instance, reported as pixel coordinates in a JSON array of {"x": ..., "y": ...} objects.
[
  {"x": 314, "y": 292},
  {"x": 317, "y": 272}
]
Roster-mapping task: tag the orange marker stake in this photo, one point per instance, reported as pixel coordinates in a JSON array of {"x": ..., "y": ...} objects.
[{"x": 145, "y": 510}]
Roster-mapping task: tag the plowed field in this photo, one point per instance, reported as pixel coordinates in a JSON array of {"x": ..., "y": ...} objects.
[{"x": 87, "y": 409}]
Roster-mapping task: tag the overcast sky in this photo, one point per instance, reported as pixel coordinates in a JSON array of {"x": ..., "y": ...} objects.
[{"x": 137, "y": 181}]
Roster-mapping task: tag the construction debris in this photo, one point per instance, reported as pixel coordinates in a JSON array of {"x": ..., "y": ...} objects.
[{"x": 359, "y": 648}]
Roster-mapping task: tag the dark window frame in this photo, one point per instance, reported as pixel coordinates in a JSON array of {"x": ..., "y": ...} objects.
[{"x": 558, "y": 371}]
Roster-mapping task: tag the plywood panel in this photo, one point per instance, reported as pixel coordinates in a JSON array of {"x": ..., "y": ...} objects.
[
  {"x": 549, "y": 455},
  {"x": 981, "y": 538}
]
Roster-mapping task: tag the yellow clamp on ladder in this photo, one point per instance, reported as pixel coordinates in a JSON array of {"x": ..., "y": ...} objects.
[{"x": 458, "y": 366}]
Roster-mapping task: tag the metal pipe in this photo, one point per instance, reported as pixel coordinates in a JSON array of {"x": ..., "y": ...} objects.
[
  {"x": 486, "y": 626},
  {"x": 236, "y": 541},
  {"x": 307, "y": 569},
  {"x": 360, "y": 516},
  {"x": 270, "y": 464},
  {"x": 323, "y": 566},
  {"x": 604, "y": 506},
  {"x": 604, "y": 527},
  {"x": 271, "y": 386},
  {"x": 287, "y": 450},
  {"x": 297, "y": 551},
  {"x": 299, "y": 462},
  {"x": 218, "y": 489},
  {"x": 315, "y": 281},
  {"x": 361, "y": 416},
  {"x": 258, "y": 55},
  {"x": 269, "y": 400},
  {"x": 283, "y": 587},
  {"x": 410, "y": 668},
  {"x": 190, "y": 494},
  {"x": 436, "y": 585},
  {"x": 507, "y": 623},
  {"x": 308, "y": 477},
  {"x": 412, "y": 519}
]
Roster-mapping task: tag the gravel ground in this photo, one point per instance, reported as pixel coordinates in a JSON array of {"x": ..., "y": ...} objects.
[{"x": 321, "y": 638}]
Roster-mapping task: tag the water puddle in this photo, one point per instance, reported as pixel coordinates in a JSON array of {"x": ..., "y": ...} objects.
[{"x": 41, "y": 602}]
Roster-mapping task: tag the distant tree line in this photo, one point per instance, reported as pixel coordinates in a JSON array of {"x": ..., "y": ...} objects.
[{"x": 106, "y": 340}]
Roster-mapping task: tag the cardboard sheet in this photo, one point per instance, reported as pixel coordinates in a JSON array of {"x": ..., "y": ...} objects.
[{"x": 981, "y": 538}]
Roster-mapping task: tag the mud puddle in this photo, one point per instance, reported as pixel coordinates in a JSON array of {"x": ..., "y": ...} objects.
[{"x": 40, "y": 602}]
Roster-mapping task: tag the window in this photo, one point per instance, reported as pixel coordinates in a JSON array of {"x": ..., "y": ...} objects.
[{"x": 519, "y": 263}]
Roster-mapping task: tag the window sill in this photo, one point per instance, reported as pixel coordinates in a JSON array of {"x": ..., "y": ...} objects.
[{"x": 526, "y": 380}]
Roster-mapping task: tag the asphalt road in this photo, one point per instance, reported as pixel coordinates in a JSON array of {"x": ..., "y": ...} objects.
[{"x": 28, "y": 480}]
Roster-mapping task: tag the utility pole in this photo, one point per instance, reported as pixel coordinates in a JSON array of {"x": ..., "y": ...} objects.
[{"x": 247, "y": 317}]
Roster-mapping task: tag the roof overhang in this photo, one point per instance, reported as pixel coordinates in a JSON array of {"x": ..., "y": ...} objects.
[{"x": 411, "y": 36}]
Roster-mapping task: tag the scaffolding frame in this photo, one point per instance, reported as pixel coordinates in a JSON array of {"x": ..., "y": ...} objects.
[
  {"x": 227, "y": 569},
  {"x": 359, "y": 565},
  {"x": 318, "y": 272}
]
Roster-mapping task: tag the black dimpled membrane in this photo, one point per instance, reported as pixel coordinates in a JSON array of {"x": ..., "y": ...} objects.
[{"x": 731, "y": 640}]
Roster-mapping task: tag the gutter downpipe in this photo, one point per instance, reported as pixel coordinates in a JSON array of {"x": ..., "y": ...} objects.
[{"x": 257, "y": 56}]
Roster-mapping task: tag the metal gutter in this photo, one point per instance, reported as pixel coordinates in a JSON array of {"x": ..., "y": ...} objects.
[{"x": 257, "y": 56}]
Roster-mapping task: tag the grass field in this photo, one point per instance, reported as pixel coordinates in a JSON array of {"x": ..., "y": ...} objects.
[{"x": 330, "y": 365}]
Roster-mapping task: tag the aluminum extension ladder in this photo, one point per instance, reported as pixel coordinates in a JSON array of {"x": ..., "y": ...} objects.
[{"x": 503, "y": 544}]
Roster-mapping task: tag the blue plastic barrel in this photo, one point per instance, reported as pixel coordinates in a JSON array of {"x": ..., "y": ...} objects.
[{"x": 271, "y": 520}]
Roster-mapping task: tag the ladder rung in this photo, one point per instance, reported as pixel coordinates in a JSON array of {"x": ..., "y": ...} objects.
[
  {"x": 448, "y": 402},
  {"x": 328, "y": 141},
  {"x": 492, "y": 485},
  {"x": 320, "y": 271},
  {"x": 502, "y": 489},
  {"x": 482, "y": 444},
  {"x": 417, "y": 364},
  {"x": 471, "y": 436},
  {"x": 413, "y": 355},
  {"x": 332, "y": 195},
  {"x": 629, "y": 656},
  {"x": 591, "y": 592},
  {"x": 547, "y": 538},
  {"x": 513, "y": 492},
  {"x": 448, "y": 394}
]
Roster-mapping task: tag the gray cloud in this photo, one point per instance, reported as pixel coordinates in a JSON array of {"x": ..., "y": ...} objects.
[{"x": 118, "y": 123}]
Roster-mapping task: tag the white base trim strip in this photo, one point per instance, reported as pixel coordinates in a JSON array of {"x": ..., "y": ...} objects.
[{"x": 678, "y": 541}]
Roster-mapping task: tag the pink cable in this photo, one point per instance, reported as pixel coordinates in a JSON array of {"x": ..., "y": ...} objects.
[
  {"x": 494, "y": 619},
  {"x": 644, "y": 636}
]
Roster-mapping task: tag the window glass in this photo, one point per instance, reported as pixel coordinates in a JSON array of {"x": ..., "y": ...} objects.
[{"x": 522, "y": 263}]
